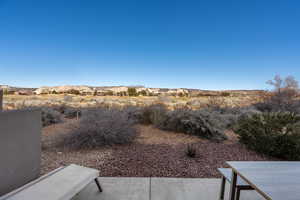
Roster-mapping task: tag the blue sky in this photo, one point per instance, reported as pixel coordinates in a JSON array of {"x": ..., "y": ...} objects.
[{"x": 225, "y": 44}]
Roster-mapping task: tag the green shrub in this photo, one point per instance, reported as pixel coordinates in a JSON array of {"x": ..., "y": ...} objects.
[
  {"x": 101, "y": 126},
  {"x": 275, "y": 134}
]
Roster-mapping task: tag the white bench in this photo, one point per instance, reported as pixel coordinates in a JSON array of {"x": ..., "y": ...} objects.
[{"x": 60, "y": 184}]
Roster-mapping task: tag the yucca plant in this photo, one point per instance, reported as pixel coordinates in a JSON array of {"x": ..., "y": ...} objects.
[{"x": 191, "y": 151}]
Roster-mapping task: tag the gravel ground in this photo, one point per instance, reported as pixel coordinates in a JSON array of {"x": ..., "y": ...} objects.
[{"x": 155, "y": 153}]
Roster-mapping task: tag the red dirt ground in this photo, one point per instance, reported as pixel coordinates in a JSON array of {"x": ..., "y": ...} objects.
[{"x": 155, "y": 153}]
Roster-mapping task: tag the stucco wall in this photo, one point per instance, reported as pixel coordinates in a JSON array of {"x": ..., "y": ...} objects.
[
  {"x": 1, "y": 99},
  {"x": 20, "y": 148}
]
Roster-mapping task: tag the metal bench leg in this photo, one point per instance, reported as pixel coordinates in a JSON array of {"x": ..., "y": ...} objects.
[
  {"x": 222, "y": 191},
  {"x": 98, "y": 185},
  {"x": 238, "y": 192}
]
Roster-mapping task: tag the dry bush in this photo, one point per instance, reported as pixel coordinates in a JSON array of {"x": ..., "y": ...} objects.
[
  {"x": 194, "y": 122},
  {"x": 49, "y": 114},
  {"x": 216, "y": 102},
  {"x": 153, "y": 114},
  {"x": 68, "y": 111},
  {"x": 283, "y": 96},
  {"x": 100, "y": 126}
]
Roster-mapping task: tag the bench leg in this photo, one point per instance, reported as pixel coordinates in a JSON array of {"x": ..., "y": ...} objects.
[
  {"x": 98, "y": 185},
  {"x": 222, "y": 190}
]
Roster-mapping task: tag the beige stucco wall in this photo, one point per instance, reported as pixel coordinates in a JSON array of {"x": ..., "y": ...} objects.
[
  {"x": 20, "y": 148},
  {"x": 1, "y": 99}
]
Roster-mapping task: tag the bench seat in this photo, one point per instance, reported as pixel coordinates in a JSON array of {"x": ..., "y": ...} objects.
[{"x": 63, "y": 183}]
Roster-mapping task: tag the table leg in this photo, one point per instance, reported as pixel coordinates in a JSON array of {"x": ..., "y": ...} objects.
[
  {"x": 222, "y": 191},
  {"x": 233, "y": 186}
]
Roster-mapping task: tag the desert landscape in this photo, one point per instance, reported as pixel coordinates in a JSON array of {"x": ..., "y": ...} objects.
[
  {"x": 182, "y": 133},
  {"x": 149, "y": 100}
]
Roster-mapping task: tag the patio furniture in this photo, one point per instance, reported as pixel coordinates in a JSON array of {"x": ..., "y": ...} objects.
[
  {"x": 227, "y": 176},
  {"x": 60, "y": 184},
  {"x": 273, "y": 180}
]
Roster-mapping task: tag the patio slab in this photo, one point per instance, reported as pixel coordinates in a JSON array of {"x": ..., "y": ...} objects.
[
  {"x": 117, "y": 189},
  {"x": 158, "y": 189},
  {"x": 192, "y": 189}
]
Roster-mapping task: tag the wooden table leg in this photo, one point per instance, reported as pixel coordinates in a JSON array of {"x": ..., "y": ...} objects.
[{"x": 233, "y": 186}]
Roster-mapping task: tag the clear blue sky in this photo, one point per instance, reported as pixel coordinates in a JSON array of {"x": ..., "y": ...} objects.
[{"x": 208, "y": 44}]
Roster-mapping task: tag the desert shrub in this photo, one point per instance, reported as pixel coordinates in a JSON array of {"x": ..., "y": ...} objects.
[
  {"x": 98, "y": 127},
  {"x": 68, "y": 112},
  {"x": 71, "y": 113},
  {"x": 215, "y": 102},
  {"x": 230, "y": 116},
  {"x": 153, "y": 114},
  {"x": 191, "y": 151},
  {"x": 194, "y": 122},
  {"x": 50, "y": 116},
  {"x": 275, "y": 134}
]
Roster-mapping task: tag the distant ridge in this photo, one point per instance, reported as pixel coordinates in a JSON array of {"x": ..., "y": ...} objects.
[{"x": 123, "y": 91}]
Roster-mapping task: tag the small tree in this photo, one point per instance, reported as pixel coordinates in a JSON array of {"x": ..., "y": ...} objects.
[
  {"x": 132, "y": 92},
  {"x": 284, "y": 93}
]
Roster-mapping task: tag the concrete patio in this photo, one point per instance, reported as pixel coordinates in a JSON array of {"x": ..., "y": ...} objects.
[{"x": 158, "y": 189}]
